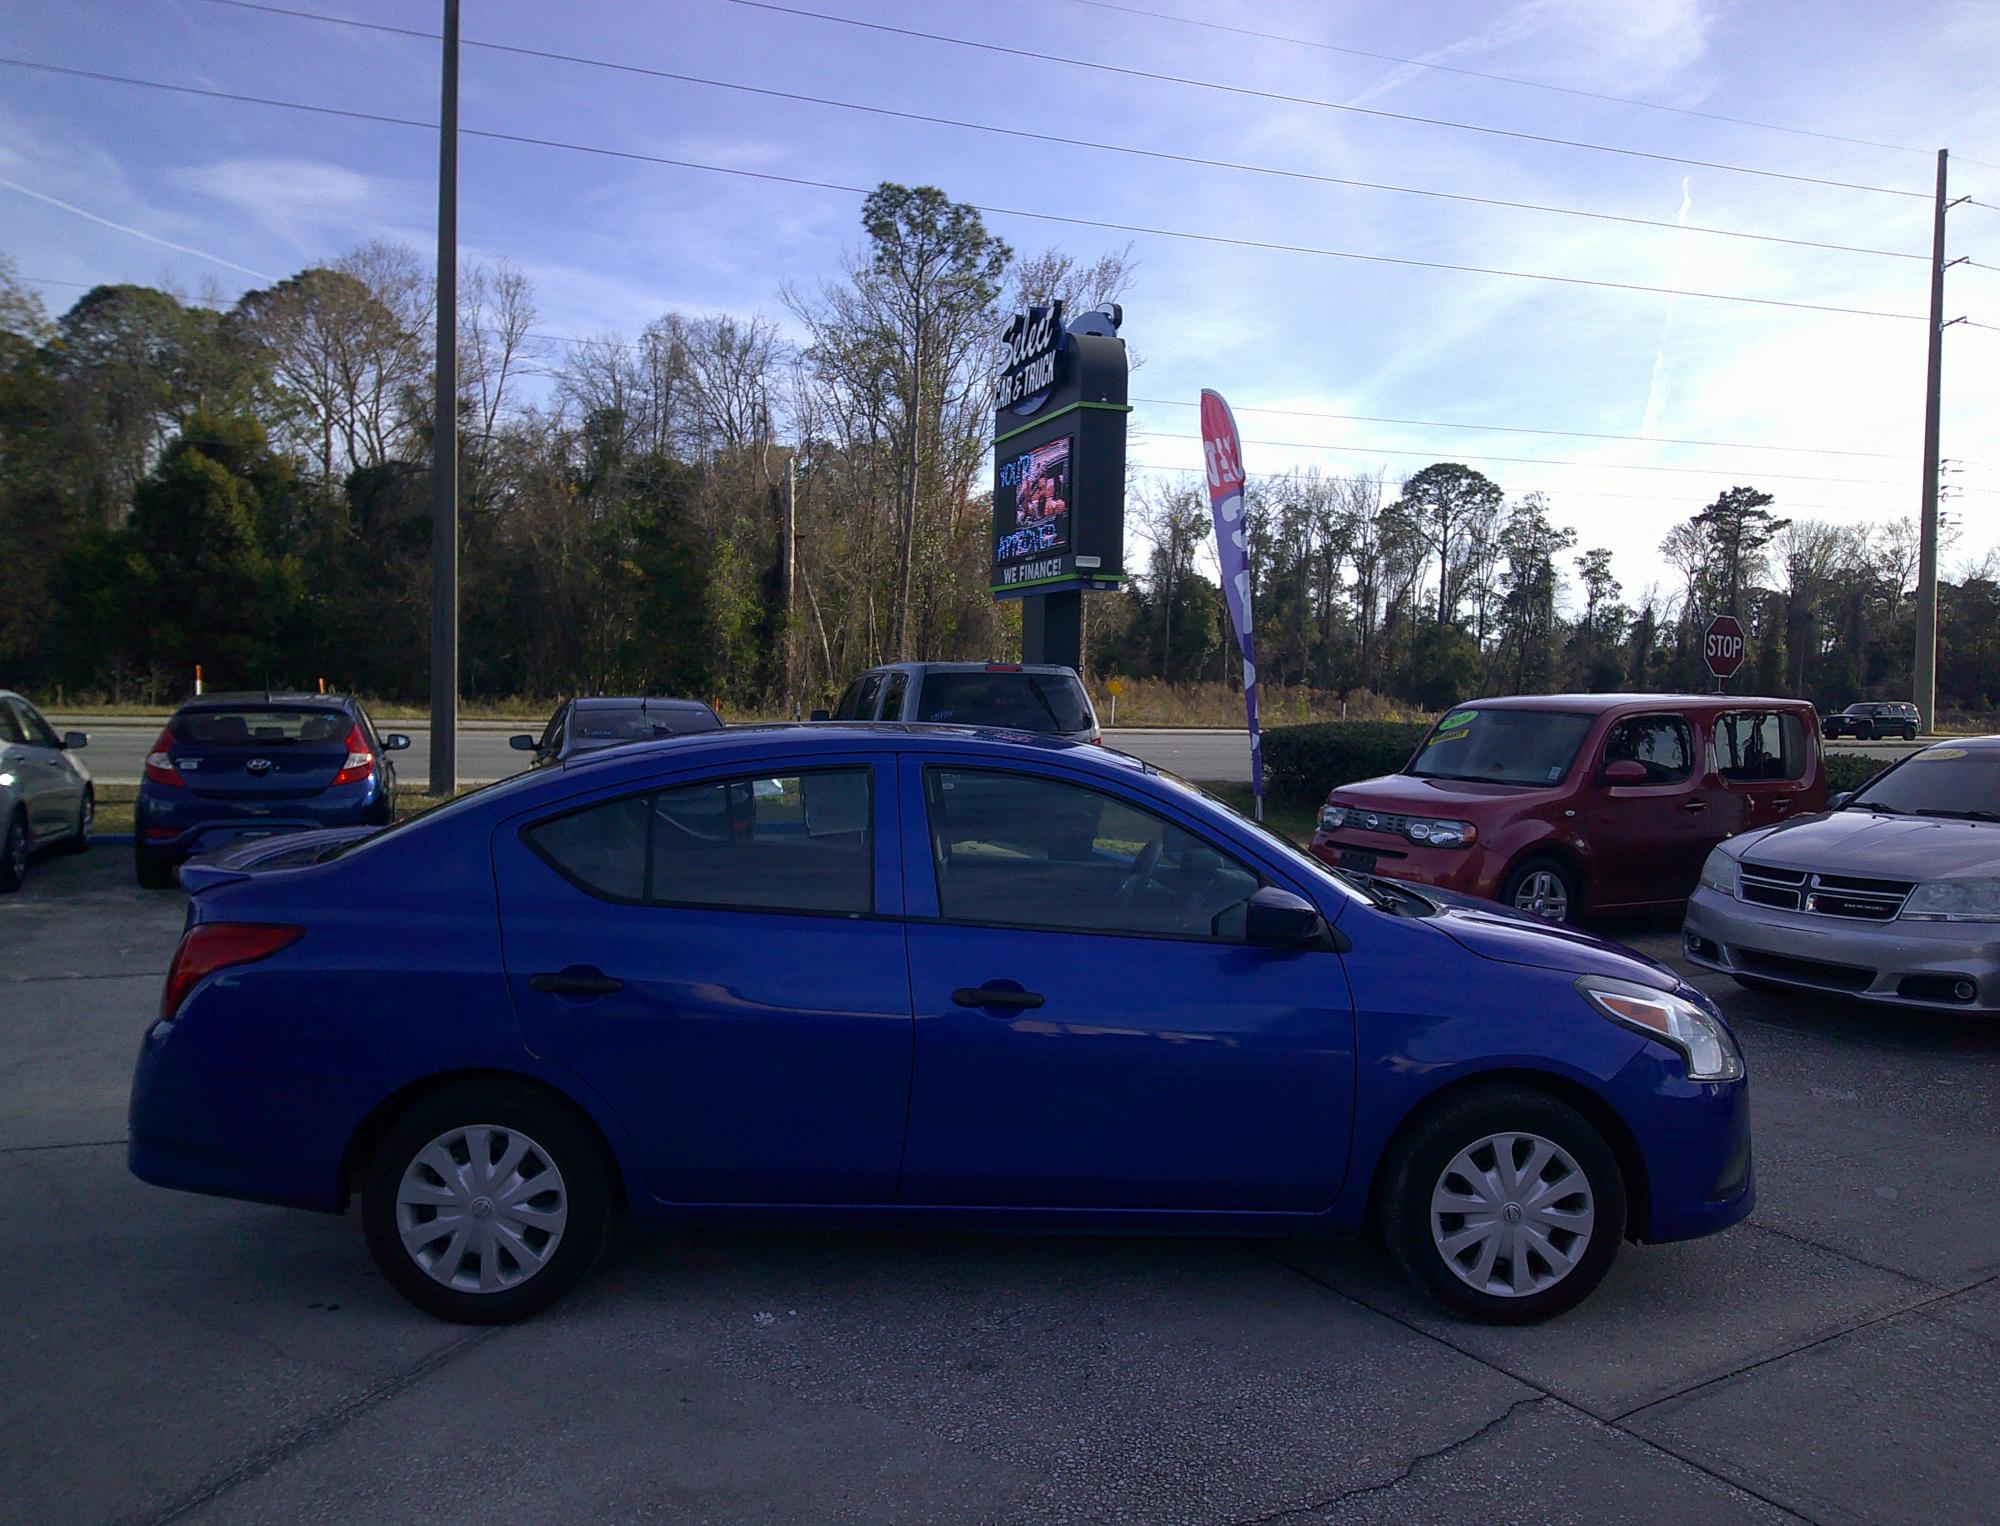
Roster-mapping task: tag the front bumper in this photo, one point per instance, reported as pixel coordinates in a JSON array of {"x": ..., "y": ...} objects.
[
  {"x": 1899, "y": 963},
  {"x": 1694, "y": 1140},
  {"x": 1469, "y": 871}
]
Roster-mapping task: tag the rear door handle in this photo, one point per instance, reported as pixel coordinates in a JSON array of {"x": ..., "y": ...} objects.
[
  {"x": 1695, "y": 805},
  {"x": 575, "y": 983},
  {"x": 997, "y": 998}
]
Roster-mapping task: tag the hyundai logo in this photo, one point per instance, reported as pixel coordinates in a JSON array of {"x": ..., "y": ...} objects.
[{"x": 258, "y": 766}]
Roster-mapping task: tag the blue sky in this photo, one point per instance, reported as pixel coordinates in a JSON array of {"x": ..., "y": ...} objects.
[{"x": 611, "y": 243}]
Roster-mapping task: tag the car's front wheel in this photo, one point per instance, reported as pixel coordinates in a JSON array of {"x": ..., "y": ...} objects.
[
  {"x": 14, "y": 852},
  {"x": 1503, "y": 1204},
  {"x": 486, "y": 1202},
  {"x": 1543, "y": 888}
]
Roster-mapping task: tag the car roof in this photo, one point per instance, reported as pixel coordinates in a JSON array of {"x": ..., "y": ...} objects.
[
  {"x": 807, "y": 737},
  {"x": 1603, "y": 704},
  {"x": 237, "y": 701},
  {"x": 973, "y": 667},
  {"x": 641, "y": 701}
]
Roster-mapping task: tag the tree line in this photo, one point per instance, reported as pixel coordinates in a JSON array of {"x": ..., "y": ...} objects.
[{"x": 712, "y": 507}]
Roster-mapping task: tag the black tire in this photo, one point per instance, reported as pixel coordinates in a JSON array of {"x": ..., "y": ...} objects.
[
  {"x": 1865, "y": 732},
  {"x": 1757, "y": 983},
  {"x": 154, "y": 872},
  {"x": 1417, "y": 1166},
  {"x": 14, "y": 853},
  {"x": 1521, "y": 876},
  {"x": 78, "y": 841},
  {"x": 1909, "y": 733},
  {"x": 560, "y": 1139}
]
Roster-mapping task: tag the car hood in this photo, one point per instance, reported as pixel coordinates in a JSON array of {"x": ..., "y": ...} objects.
[
  {"x": 1874, "y": 846},
  {"x": 1408, "y": 795},
  {"x": 1509, "y": 937}
]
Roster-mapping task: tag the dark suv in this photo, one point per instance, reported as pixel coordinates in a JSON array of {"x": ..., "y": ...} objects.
[{"x": 1874, "y": 718}]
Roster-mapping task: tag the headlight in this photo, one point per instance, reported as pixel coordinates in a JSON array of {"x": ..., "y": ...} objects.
[
  {"x": 1718, "y": 872},
  {"x": 1443, "y": 834},
  {"x": 1332, "y": 817},
  {"x": 1955, "y": 901},
  {"x": 1674, "y": 1020}
]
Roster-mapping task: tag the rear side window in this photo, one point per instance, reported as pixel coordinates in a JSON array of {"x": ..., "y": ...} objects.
[
  {"x": 798, "y": 842},
  {"x": 1752, "y": 746},
  {"x": 1045, "y": 702},
  {"x": 1659, "y": 743},
  {"x": 261, "y": 726},
  {"x": 892, "y": 697}
]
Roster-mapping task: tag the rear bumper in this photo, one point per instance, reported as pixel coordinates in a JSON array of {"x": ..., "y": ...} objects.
[
  {"x": 170, "y": 831},
  {"x": 1470, "y": 871},
  {"x": 1898, "y": 963}
]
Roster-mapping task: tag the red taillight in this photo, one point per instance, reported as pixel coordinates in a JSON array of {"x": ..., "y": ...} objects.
[
  {"x": 161, "y": 834},
  {"x": 160, "y": 763},
  {"x": 213, "y": 946},
  {"x": 360, "y": 761},
  {"x": 1003, "y": 667}
]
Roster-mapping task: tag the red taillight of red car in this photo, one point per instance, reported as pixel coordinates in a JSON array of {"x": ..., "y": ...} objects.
[
  {"x": 213, "y": 946},
  {"x": 360, "y": 761},
  {"x": 160, "y": 763}
]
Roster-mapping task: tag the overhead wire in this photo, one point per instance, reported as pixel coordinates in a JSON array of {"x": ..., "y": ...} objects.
[{"x": 1104, "y": 224}]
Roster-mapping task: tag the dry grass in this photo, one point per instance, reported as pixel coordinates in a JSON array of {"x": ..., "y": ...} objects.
[{"x": 1148, "y": 702}]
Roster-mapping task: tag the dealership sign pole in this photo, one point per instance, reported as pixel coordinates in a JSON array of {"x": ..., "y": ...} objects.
[{"x": 1223, "y": 449}]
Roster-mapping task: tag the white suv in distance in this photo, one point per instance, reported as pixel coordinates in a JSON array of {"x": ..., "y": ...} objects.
[{"x": 1020, "y": 697}]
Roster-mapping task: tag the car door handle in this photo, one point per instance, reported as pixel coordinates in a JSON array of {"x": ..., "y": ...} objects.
[
  {"x": 575, "y": 983},
  {"x": 997, "y": 998},
  {"x": 1695, "y": 805}
]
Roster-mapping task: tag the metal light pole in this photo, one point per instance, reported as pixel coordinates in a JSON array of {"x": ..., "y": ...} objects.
[{"x": 444, "y": 459}]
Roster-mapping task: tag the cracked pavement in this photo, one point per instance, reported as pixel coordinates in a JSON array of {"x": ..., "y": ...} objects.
[{"x": 182, "y": 1358}]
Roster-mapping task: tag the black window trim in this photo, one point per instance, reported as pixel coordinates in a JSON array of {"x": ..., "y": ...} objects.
[
  {"x": 782, "y": 771},
  {"x": 1686, "y": 723},
  {"x": 931, "y": 765}
]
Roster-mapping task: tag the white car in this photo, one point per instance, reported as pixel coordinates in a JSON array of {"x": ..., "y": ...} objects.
[{"x": 46, "y": 796}]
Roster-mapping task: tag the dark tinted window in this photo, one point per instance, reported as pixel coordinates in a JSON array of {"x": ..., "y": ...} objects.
[
  {"x": 1660, "y": 743},
  {"x": 1018, "y": 851},
  {"x": 1502, "y": 746},
  {"x": 800, "y": 842},
  {"x": 1755, "y": 745},
  {"x": 632, "y": 723},
  {"x": 858, "y": 703},
  {"x": 892, "y": 696},
  {"x": 262, "y": 726},
  {"x": 35, "y": 729},
  {"x": 1045, "y": 702},
  {"x": 844, "y": 707}
]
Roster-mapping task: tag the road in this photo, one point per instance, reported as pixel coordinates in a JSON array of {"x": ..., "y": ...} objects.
[
  {"x": 176, "y": 1357},
  {"x": 118, "y": 750}
]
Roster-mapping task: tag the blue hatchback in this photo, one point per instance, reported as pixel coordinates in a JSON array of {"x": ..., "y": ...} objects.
[
  {"x": 917, "y": 976},
  {"x": 231, "y": 767}
]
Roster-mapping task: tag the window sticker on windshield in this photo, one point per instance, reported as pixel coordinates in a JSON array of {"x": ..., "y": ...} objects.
[
  {"x": 1555, "y": 772},
  {"x": 1449, "y": 736},
  {"x": 1456, "y": 719},
  {"x": 1938, "y": 754}
]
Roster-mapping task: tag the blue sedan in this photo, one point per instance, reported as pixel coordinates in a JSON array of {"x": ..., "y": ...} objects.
[{"x": 924, "y": 977}]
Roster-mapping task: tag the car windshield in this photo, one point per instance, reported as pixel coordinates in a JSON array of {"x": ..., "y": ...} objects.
[
  {"x": 1046, "y": 702},
  {"x": 1501, "y": 746},
  {"x": 262, "y": 726},
  {"x": 1939, "y": 781},
  {"x": 630, "y": 723}
]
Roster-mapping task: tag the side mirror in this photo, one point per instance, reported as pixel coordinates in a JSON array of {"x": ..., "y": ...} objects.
[
  {"x": 75, "y": 739},
  {"x": 521, "y": 743},
  {"x": 822, "y": 715},
  {"x": 1278, "y": 919},
  {"x": 1835, "y": 802},
  {"x": 395, "y": 741},
  {"x": 1625, "y": 771}
]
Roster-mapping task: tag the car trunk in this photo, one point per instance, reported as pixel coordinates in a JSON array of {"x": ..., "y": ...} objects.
[{"x": 261, "y": 754}]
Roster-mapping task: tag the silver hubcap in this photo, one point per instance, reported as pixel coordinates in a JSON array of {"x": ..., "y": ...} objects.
[
  {"x": 481, "y": 1208},
  {"x": 1542, "y": 894},
  {"x": 1512, "y": 1214}
]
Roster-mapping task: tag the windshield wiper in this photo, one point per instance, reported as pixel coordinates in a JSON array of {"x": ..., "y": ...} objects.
[
  {"x": 1972, "y": 815},
  {"x": 1874, "y": 805}
]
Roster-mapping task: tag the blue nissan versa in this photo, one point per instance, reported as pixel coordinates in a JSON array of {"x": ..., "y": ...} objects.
[
  {"x": 919, "y": 976},
  {"x": 235, "y": 766}
]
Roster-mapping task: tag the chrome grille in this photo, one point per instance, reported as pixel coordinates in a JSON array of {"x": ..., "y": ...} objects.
[
  {"x": 1360, "y": 820},
  {"x": 1830, "y": 895}
]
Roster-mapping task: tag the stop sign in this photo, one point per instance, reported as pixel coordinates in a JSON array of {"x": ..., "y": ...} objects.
[{"x": 1722, "y": 647}]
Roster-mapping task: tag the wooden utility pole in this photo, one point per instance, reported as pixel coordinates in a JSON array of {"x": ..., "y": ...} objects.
[
  {"x": 444, "y": 449},
  {"x": 1924, "y": 669},
  {"x": 788, "y": 555}
]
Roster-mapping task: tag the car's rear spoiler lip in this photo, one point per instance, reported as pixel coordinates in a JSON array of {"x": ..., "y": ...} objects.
[{"x": 195, "y": 878}]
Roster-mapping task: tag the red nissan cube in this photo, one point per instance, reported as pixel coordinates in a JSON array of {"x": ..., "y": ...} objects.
[{"x": 1567, "y": 804}]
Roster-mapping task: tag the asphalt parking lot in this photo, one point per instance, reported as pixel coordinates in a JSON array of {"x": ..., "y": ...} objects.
[{"x": 1837, "y": 1358}]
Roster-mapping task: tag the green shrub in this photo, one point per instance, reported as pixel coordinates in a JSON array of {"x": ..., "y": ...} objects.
[
  {"x": 1304, "y": 762},
  {"x": 1845, "y": 771}
]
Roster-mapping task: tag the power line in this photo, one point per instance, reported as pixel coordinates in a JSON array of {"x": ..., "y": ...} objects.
[
  {"x": 1045, "y": 59},
  {"x": 632, "y": 155},
  {"x": 1505, "y": 79},
  {"x": 1065, "y": 140},
  {"x": 1609, "y": 466}
]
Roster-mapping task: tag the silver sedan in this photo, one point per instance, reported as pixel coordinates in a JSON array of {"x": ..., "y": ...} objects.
[
  {"x": 1893, "y": 896},
  {"x": 46, "y": 796}
]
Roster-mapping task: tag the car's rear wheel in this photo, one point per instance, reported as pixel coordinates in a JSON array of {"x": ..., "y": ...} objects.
[
  {"x": 1544, "y": 888},
  {"x": 486, "y": 1202},
  {"x": 154, "y": 872},
  {"x": 1864, "y": 732},
  {"x": 86, "y": 814},
  {"x": 14, "y": 852},
  {"x": 1503, "y": 1204},
  {"x": 1909, "y": 733}
]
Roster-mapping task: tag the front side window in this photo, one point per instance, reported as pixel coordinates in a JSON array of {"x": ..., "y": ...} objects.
[
  {"x": 1015, "y": 850},
  {"x": 1502, "y": 746},
  {"x": 797, "y": 842},
  {"x": 1661, "y": 744},
  {"x": 892, "y": 698},
  {"x": 1759, "y": 746}
]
